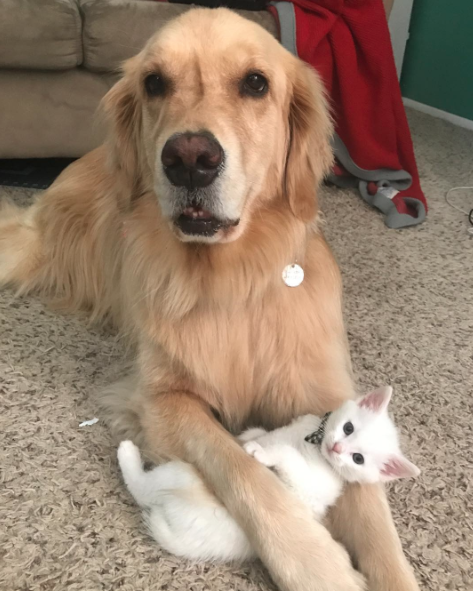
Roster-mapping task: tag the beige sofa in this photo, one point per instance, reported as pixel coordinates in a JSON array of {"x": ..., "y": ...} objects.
[{"x": 57, "y": 60}]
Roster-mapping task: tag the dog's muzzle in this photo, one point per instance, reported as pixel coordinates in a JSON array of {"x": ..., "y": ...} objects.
[{"x": 192, "y": 162}]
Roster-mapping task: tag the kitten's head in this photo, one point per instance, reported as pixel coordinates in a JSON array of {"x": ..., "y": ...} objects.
[{"x": 361, "y": 441}]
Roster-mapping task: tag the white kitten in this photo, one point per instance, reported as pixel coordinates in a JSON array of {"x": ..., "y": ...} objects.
[{"x": 312, "y": 456}]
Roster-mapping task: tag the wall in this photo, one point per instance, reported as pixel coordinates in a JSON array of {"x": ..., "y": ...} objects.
[{"x": 438, "y": 63}]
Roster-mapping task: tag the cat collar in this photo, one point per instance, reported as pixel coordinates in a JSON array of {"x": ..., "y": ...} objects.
[{"x": 318, "y": 436}]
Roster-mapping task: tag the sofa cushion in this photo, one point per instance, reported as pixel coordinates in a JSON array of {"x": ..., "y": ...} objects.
[
  {"x": 50, "y": 114},
  {"x": 115, "y": 30},
  {"x": 42, "y": 34}
]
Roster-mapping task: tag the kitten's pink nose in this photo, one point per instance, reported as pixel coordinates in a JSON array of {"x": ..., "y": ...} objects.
[{"x": 337, "y": 448}]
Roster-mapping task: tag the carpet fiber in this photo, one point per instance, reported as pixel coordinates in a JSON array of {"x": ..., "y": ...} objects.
[{"x": 66, "y": 520}]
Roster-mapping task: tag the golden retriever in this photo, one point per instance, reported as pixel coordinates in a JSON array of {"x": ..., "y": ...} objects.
[{"x": 178, "y": 230}]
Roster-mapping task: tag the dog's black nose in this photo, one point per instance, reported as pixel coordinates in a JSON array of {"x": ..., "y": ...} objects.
[{"x": 192, "y": 160}]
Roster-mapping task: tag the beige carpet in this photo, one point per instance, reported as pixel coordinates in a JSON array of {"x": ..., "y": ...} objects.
[{"x": 66, "y": 521}]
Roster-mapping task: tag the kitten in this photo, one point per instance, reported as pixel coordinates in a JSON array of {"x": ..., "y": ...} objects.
[{"x": 313, "y": 456}]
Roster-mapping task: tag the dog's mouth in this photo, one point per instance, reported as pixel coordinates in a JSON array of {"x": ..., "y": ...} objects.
[{"x": 197, "y": 221}]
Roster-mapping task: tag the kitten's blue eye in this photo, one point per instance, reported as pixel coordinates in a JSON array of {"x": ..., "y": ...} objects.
[
  {"x": 358, "y": 459},
  {"x": 348, "y": 428}
]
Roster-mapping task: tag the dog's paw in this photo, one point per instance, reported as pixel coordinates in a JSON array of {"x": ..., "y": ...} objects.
[
  {"x": 253, "y": 448},
  {"x": 128, "y": 454}
]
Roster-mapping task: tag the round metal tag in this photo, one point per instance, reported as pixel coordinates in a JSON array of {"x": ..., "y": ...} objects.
[{"x": 293, "y": 275}]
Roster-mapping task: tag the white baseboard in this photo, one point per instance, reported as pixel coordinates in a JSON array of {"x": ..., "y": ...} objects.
[{"x": 455, "y": 119}]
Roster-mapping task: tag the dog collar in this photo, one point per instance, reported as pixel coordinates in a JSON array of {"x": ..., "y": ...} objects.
[{"x": 318, "y": 436}]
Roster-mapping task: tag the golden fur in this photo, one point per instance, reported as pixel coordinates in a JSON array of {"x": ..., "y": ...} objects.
[{"x": 217, "y": 331}]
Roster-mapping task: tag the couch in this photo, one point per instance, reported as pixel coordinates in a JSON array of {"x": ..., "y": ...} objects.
[{"x": 57, "y": 60}]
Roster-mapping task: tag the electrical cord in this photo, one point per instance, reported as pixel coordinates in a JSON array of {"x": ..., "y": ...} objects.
[{"x": 469, "y": 214}]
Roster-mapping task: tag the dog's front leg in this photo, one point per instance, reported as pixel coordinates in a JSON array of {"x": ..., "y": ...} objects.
[
  {"x": 362, "y": 521},
  {"x": 299, "y": 552}
]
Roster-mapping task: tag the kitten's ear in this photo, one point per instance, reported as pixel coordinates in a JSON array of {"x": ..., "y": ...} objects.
[
  {"x": 378, "y": 400},
  {"x": 397, "y": 466}
]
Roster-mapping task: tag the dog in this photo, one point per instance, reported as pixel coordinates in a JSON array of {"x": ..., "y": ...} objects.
[{"x": 178, "y": 230}]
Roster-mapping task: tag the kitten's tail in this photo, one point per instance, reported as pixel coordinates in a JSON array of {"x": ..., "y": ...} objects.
[
  {"x": 136, "y": 479},
  {"x": 155, "y": 486}
]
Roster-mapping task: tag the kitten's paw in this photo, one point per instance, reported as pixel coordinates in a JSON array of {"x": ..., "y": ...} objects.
[
  {"x": 253, "y": 448},
  {"x": 128, "y": 453}
]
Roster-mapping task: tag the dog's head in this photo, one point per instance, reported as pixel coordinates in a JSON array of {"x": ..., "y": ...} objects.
[{"x": 218, "y": 119}]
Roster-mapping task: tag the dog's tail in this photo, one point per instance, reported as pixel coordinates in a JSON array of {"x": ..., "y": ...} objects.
[{"x": 21, "y": 255}]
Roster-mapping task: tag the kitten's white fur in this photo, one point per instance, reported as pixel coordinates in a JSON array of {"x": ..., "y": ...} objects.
[{"x": 187, "y": 520}]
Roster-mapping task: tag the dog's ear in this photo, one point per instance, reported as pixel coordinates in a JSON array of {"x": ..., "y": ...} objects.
[
  {"x": 310, "y": 155},
  {"x": 122, "y": 109}
]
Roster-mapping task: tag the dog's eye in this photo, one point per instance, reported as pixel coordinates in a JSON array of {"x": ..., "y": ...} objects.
[
  {"x": 254, "y": 84},
  {"x": 154, "y": 85}
]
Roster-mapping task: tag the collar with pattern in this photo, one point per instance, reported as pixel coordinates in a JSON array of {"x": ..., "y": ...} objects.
[{"x": 318, "y": 436}]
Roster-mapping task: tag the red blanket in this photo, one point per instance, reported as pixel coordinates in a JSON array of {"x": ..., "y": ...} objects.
[{"x": 348, "y": 43}]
